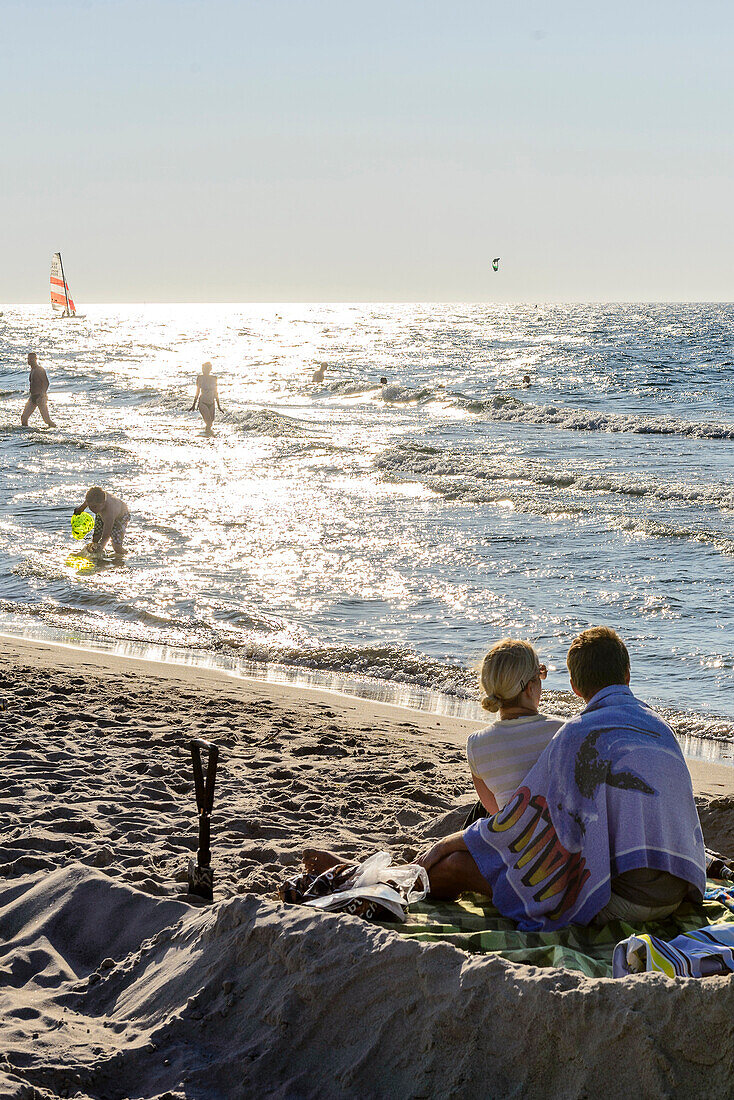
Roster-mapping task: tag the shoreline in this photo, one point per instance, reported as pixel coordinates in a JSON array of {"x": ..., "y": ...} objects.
[
  {"x": 712, "y": 778},
  {"x": 83, "y": 695},
  {"x": 717, "y": 747}
]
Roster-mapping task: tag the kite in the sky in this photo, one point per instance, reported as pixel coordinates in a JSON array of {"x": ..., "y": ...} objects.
[{"x": 495, "y": 264}]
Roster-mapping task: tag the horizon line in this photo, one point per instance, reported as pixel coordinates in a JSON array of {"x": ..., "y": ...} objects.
[{"x": 384, "y": 302}]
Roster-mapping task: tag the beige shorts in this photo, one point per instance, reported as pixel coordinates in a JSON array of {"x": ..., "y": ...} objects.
[{"x": 633, "y": 912}]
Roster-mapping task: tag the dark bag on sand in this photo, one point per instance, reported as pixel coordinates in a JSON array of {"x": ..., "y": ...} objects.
[
  {"x": 718, "y": 866},
  {"x": 305, "y": 887},
  {"x": 373, "y": 890}
]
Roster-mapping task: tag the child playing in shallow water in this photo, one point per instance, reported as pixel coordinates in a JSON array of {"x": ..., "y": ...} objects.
[{"x": 113, "y": 516}]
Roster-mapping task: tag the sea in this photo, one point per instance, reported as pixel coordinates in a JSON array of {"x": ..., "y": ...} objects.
[{"x": 525, "y": 470}]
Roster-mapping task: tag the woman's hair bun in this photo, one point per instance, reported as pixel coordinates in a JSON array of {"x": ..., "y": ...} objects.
[{"x": 509, "y": 665}]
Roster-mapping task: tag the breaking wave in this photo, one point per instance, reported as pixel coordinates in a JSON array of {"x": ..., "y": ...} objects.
[
  {"x": 462, "y": 475},
  {"x": 587, "y": 420},
  {"x": 268, "y": 422}
]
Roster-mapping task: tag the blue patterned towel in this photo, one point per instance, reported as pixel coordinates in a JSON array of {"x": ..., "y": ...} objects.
[
  {"x": 693, "y": 955},
  {"x": 610, "y": 793}
]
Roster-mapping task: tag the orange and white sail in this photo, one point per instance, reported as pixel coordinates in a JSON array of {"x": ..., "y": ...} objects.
[{"x": 61, "y": 299}]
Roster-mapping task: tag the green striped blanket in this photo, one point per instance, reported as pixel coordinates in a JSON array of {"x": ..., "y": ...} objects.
[{"x": 473, "y": 924}]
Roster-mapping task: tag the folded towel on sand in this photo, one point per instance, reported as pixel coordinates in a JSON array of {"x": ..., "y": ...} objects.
[
  {"x": 611, "y": 793},
  {"x": 696, "y": 954}
]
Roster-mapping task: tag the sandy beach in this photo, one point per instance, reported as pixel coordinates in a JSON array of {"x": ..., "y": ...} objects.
[
  {"x": 114, "y": 986},
  {"x": 360, "y": 340}
]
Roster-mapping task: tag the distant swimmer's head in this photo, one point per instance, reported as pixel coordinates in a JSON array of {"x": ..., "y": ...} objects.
[
  {"x": 383, "y": 381},
  {"x": 206, "y": 368},
  {"x": 526, "y": 379},
  {"x": 509, "y": 667},
  {"x": 32, "y": 359},
  {"x": 95, "y": 498}
]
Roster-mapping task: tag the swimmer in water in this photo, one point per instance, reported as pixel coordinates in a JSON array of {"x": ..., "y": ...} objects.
[
  {"x": 318, "y": 374},
  {"x": 526, "y": 380},
  {"x": 206, "y": 396},
  {"x": 383, "y": 381},
  {"x": 38, "y": 388}
]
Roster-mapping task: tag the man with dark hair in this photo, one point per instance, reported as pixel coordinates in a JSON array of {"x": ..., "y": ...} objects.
[
  {"x": 604, "y": 826},
  {"x": 599, "y": 668},
  {"x": 597, "y": 659}
]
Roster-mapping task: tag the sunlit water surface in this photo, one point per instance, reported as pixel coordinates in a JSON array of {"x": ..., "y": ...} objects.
[{"x": 389, "y": 531}]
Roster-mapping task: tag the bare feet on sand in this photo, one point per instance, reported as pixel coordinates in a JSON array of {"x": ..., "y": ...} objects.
[{"x": 317, "y": 860}]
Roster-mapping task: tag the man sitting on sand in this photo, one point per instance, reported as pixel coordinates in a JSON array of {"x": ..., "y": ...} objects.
[
  {"x": 603, "y": 826},
  {"x": 113, "y": 516},
  {"x": 38, "y": 388}
]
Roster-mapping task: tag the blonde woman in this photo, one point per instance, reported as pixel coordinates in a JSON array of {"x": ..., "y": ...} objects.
[{"x": 501, "y": 755}]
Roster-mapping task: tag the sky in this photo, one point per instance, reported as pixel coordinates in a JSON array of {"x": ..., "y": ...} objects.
[{"x": 326, "y": 150}]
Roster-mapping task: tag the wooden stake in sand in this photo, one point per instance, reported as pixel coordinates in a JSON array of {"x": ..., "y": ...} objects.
[{"x": 201, "y": 876}]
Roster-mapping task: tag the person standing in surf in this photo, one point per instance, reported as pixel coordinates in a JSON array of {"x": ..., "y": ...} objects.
[
  {"x": 207, "y": 395},
  {"x": 38, "y": 387}
]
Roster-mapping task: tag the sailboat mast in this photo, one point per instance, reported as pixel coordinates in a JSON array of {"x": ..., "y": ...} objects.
[{"x": 66, "y": 291}]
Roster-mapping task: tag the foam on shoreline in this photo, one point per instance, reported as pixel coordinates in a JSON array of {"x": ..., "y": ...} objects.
[{"x": 702, "y": 737}]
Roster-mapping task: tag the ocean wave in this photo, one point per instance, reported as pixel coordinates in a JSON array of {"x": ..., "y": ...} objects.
[
  {"x": 498, "y": 402},
  {"x": 391, "y": 663},
  {"x": 721, "y": 497},
  {"x": 268, "y": 422},
  {"x": 348, "y": 387},
  {"x": 60, "y": 437},
  {"x": 508, "y": 408},
  {"x": 690, "y": 726},
  {"x": 453, "y": 473},
  {"x": 392, "y": 393},
  {"x": 648, "y": 528},
  {"x": 104, "y": 616},
  {"x": 250, "y": 637},
  {"x": 513, "y": 410}
]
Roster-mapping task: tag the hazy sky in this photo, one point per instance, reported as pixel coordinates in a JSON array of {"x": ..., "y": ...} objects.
[{"x": 332, "y": 150}]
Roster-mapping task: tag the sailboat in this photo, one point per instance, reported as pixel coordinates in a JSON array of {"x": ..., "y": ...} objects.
[{"x": 61, "y": 299}]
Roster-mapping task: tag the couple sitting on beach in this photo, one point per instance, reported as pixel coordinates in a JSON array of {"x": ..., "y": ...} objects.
[{"x": 592, "y": 819}]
